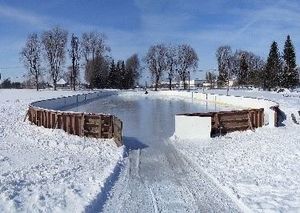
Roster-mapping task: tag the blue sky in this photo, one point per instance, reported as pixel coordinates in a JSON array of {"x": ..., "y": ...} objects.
[{"x": 132, "y": 26}]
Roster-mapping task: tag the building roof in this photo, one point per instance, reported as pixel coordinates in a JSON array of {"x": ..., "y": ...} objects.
[{"x": 61, "y": 81}]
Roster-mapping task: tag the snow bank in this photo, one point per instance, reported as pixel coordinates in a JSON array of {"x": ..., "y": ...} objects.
[
  {"x": 260, "y": 168},
  {"x": 44, "y": 169}
]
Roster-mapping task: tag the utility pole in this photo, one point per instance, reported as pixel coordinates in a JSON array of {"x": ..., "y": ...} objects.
[{"x": 189, "y": 80}]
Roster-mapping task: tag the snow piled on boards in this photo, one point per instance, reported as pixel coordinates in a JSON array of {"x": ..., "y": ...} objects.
[
  {"x": 48, "y": 170},
  {"x": 260, "y": 168}
]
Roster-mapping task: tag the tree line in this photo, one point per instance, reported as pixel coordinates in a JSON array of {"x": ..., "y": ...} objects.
[
  {"x": 248, "y": 69},
  {"x": 90, "y": 52},
  {"x": 172, "y": 62}
]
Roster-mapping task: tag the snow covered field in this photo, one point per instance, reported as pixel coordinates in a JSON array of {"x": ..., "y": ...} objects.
[
  {"x": 48, "y": 170},
  {"x": 261, "y": 168}
]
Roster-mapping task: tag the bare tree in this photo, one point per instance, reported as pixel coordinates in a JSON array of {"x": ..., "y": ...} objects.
[
  {"x": 93, "y": 44},
  {"x": 54, "y": 42},
  {"x": 31, "y": 57},
  {"x": 74, "y": 54},
  {"x": 187, "y": 62},
  {"x": 156, "y": 62},
  {"x": 172, "y": 63},
  {"x": 225, "y": 65}
]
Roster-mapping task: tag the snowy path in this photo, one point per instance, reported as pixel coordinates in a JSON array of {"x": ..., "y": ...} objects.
[
  {"x": 164, "y": 181},
  {"x": 155, "y": 177}
]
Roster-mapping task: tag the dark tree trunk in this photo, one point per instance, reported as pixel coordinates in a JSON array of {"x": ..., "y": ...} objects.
[
  {"x": 156, "y": 83},
  {"x": 73, "y": 78},
  {"x": 54, "y": 85},
  {"x": 184, "y": 83},
  {"x": 37, "y": 82}
]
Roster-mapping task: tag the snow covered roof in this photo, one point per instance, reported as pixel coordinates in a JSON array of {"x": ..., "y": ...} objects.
[{"x": 61, "y": 81}]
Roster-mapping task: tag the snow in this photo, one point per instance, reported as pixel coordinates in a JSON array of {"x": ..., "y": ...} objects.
[
  {"x": 260, "y": 168},
  {"x": 48, "y": 170}
]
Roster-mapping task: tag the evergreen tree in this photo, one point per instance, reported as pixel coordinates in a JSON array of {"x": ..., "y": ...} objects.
[
  {"x": 132, "y": 70},
  {"x": 99, "y": 72},
  {"x": 118, "y": 75},
  {"x": 242, "y": 76},
  {"x": 273, "y": 68},
  {"x": 289, "y": 77},
  {"x": 111, "y": 76},
  {"x": 123, "y": 81}
]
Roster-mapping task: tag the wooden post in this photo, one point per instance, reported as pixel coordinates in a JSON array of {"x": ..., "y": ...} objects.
[
  {"x": 73, "y": 124},
  {"x": 100, "y": 126},
  {"x": 67, "y": 120},
  {"x": 250, "y": 120},
  {"x": 82, "y": 125}
]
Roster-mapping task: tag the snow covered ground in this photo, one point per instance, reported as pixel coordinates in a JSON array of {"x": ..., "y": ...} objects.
[
  {"x": 48, "y": 170},
  {"x": 261, "y": 168},
  {"x": 44, "y": 170}
]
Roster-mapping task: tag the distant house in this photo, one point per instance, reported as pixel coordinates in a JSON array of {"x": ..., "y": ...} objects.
[
  {"x": 196, "y": 83},
  {"x": 165, "y": 84},
  {"x": 61, "y": 83}
]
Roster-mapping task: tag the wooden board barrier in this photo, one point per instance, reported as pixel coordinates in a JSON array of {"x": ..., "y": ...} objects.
[
  {"x": 81, "y": 124},
  {"x": 229, "y": 121}
]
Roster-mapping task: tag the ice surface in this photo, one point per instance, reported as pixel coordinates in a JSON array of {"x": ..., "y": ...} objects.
[{"x": 156, "y": 177}]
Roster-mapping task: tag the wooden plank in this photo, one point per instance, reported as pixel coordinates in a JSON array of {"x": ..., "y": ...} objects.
[
  {"x": 67, "y": 124},
  {"x": 72, "y": 127},
  {"x": 82, "y": 125},
  {"x": 226, "y": 120},
  {"x": 100, "y": 127},
  {"x": 233, "y": 116},
  {"x": 63, "y": 123},
  {"x": 36, "y": 117},
  {"x": 236, "y": 125},
  {"x": 250, "y": 120}
]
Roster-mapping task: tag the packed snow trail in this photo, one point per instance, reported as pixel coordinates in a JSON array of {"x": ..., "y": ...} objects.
[
  {"x": 163, "y": 181},
  {"x": 155, "y": 177}
]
